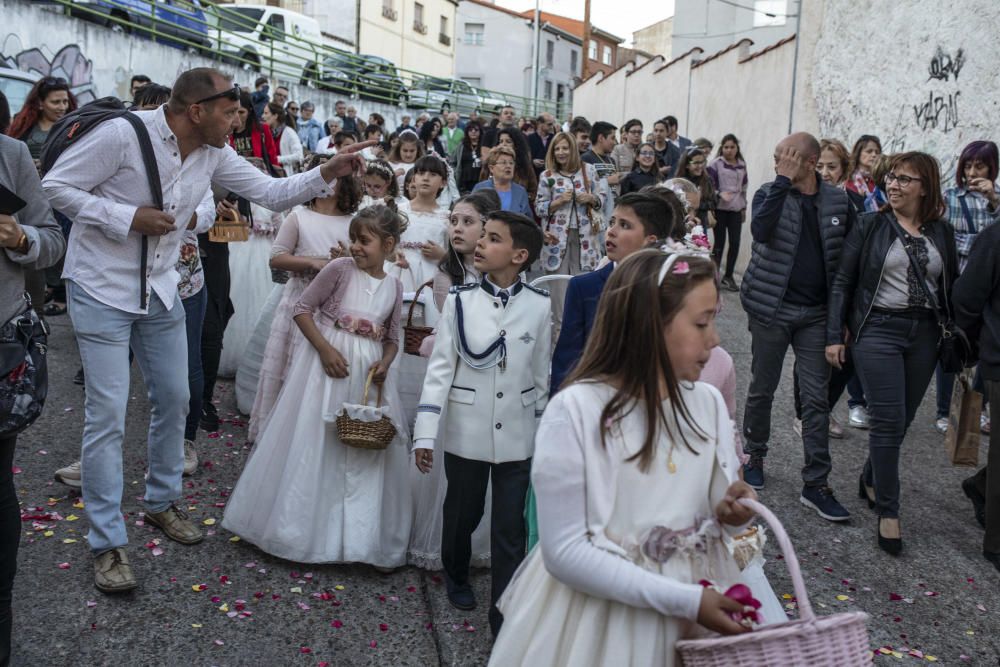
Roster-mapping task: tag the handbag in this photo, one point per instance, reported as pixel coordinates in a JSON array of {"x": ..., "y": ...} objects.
[
  {"x": 363, "y": 426},
  {"x": 24, "y": 380},
  {"x": 596, "y": 220},
  {"x": 954, "y": 350},
  {"x": 962, "y": 438},
  {"x": 229, "y": 231}
]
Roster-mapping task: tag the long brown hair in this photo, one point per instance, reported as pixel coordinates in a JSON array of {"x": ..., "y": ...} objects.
[
  {"x": 859, "y": 146},
  {"x": 573, "y": 164},
  {"x": 626, "y": 347},
  {"x": 31, "y": 110}
]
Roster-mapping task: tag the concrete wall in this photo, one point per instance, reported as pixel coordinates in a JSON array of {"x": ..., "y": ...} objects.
[{"x": 98, "y": 62}]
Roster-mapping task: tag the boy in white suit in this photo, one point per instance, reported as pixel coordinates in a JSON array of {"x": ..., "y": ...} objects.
[{"x": 488, "y": 375}]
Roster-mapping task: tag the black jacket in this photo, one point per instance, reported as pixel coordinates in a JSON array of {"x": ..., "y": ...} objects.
[
  {"x": 976, "y": 299},
  {"x": 860, "y": 271},
  {"x": 636, "y": 180},
  {"x": 776, "y": 242}
]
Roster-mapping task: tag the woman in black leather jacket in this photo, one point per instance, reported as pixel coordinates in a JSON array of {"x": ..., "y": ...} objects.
[{"x": 878, "y": 306}]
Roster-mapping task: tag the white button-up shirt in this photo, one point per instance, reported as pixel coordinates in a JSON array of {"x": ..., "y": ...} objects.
[{"x": 101, "y": 180}]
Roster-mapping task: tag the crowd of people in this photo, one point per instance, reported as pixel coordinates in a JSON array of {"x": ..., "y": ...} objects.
[{"x": 533, "y": 305}]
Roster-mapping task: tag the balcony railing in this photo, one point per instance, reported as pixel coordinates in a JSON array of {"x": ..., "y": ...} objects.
[
  {"x": 420, "y": 27},
  {"x": 389, "y": 13},
  {"x": 444, "y": 39}
]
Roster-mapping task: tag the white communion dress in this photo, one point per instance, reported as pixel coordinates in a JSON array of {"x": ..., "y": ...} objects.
[
  {"x": 614, "y": 579},
  {"x": 304, "y": 495}
]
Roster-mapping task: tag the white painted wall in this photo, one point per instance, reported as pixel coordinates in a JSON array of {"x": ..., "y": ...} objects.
[
  {"x": 873, "y": 77},
  {"x": 98, "y": 62}
]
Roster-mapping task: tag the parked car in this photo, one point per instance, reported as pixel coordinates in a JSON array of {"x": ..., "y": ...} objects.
[
  {"x": 444, "y": 95},
  {"x": 275, "y": 41},
  {"x": 368, "y": 77},
  {"x": 489, "y": 102},
  {"x": 174, "y": 20},
  {"x": 15, "y": 85}
]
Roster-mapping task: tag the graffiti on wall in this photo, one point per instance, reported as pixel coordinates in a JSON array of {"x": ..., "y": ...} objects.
[
  {"x": 943, "y": 65},
  {"x": 69, "y": 63}
]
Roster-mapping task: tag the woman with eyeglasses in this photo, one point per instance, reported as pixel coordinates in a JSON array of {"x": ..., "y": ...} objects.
[
  {"x": 49, "y": 100},
  {"x": 896, "y": 266},
  {"x": 513, "y": 197},
  {"x": 864, "y": 155},
  {"x": 693, "y": 167},
  {"x": 644, "y": 170}
]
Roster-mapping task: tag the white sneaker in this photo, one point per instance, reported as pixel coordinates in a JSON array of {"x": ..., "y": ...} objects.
[
  {"x": 190, "y": 457},
  {"x": 941, "y": 425},
  {"x": 797, "y": 427},
  {"x": 984, "y": 423},
  {"x": 836, "y": 429},
  {"x": 858, "y": 417},
  {"x": 70, "y": 475}
]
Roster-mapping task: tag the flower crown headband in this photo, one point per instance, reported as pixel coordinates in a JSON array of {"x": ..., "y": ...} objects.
[{"x": 382, "y": 168}]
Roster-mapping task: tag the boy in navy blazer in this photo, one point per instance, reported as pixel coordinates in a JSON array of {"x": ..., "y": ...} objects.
[{"x": 640, "y": 220}]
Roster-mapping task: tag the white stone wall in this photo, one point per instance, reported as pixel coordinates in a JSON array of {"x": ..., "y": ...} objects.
[{"x": 98, "y": 62}]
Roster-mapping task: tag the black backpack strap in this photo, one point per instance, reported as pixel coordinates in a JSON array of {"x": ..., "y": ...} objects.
[{"x": 153, "y": 174}]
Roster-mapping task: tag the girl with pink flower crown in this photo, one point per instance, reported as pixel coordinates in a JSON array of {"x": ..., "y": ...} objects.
[{"x": 304, "y": 495}]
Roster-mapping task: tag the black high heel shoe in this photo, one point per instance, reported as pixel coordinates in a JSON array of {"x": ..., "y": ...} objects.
[
  {"x": 866, "y": 492},
  {"x": 891, "y": 545}
]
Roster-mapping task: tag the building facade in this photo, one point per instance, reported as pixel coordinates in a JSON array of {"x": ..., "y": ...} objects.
[
  {"x": 655, "y": 39},
  {"x": 713, "y": 25},
  {"x": 414, "y": 34},
  {"x": 494, "y": 52}
]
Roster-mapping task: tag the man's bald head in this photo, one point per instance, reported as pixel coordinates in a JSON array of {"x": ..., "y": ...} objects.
[{"x": 806, "y": 144}]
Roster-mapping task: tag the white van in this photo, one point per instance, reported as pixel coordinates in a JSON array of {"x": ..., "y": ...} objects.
[{"x": 271, "y": 40}]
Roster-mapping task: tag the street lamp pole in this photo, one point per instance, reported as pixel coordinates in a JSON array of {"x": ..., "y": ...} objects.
[{"x": 535, "y": 54}]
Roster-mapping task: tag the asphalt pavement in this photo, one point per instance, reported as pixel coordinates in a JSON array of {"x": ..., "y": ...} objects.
[{"x": 224, "y": 602}]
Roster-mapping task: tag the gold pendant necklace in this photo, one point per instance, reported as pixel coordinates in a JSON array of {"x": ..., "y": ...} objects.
[{"x": 671, "y": 466}]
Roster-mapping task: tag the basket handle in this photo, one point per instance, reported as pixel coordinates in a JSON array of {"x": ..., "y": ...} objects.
[
  {"x": 416, "y": 297},
  {"x": 234, "y": 213},
  {"x": 791, "y": 560},
  {"x": 368, "y": 384}
]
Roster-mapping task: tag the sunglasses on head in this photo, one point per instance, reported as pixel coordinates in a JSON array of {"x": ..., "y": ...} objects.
[{"x": 233, "y": 94}]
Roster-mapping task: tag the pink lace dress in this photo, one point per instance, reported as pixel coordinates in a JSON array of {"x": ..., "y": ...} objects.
[{"x": 305, "y": 496}]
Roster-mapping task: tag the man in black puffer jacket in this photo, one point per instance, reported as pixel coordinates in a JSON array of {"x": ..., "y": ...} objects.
[{"x": 798, "y": 227}]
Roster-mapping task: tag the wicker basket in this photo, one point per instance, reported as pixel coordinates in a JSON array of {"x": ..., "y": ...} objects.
[
  {"x": 414, "y": 335},
  {"x": 229, "y": 231},
  {"x": 840, "y": 640},
  {"x": 366, "y": 435}
]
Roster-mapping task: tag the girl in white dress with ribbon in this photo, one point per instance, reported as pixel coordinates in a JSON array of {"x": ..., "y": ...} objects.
[
  {"x": 304, "y": 495},
  {"x": 421, "y": 250},
  {"x": 636, "y": 480}
]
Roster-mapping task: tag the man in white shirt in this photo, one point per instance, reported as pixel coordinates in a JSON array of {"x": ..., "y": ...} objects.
[{"x": 101, "y": 184}]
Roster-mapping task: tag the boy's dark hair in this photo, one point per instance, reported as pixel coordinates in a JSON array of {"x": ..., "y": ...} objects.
[
  {"x": 601, "y": 129},
  {"x": 579, "y": 124},
  {"x": 629, "y": 124},
  {"x": 679, "y": 229},
  {"x": 372, "y": 129},
  {"x": 670, "y": 121},
  {"x": 338, "y": 139},
  {"x": 260, "y": 81},
  {"x": 655, "y": 213},
  {"x": 523, "y": 232},
  {"x": 151, "y": 93},
  {"x": 139, "y": 78}
]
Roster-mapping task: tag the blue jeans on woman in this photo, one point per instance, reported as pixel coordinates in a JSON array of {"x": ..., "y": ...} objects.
[
  {"x": 194, "y": 316},
  {"x": 104, "y": 335}
]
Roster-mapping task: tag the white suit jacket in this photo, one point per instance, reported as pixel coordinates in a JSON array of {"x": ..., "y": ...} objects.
[{"x": 490, "y": 414}]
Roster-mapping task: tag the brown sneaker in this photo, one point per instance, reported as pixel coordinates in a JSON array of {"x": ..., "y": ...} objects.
[
  {"x": 113, "y": 573},
  {"x": 176, "y": 524}
]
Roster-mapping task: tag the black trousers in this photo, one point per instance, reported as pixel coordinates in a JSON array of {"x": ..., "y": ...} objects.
[
  {"x": 727, "y": 223},
  {"x": 218, "y": 310},
  {"x": 987, "y": 479},
  {"x": 895, "y": 359},
  {"x": 10, "y": 535},
  {"x": 463, "y": 510}
]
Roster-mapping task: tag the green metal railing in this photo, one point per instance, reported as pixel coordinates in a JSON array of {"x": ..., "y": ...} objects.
[{"x": 290, "y": 58}]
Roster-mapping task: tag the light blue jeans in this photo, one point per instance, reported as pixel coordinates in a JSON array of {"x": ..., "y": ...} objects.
[{"x": 159, "y": 342}]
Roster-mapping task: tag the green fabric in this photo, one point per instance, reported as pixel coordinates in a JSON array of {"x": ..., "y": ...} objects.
[{"x": 531, "y": 518}]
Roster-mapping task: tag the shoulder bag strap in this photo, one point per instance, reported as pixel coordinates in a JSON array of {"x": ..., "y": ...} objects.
[{"x": 153, "y": 174}]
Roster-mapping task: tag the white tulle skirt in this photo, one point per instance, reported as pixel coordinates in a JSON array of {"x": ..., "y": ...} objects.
[
  {"x": 249, "y": 268},
  {"x": 248, "y": 372}
]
